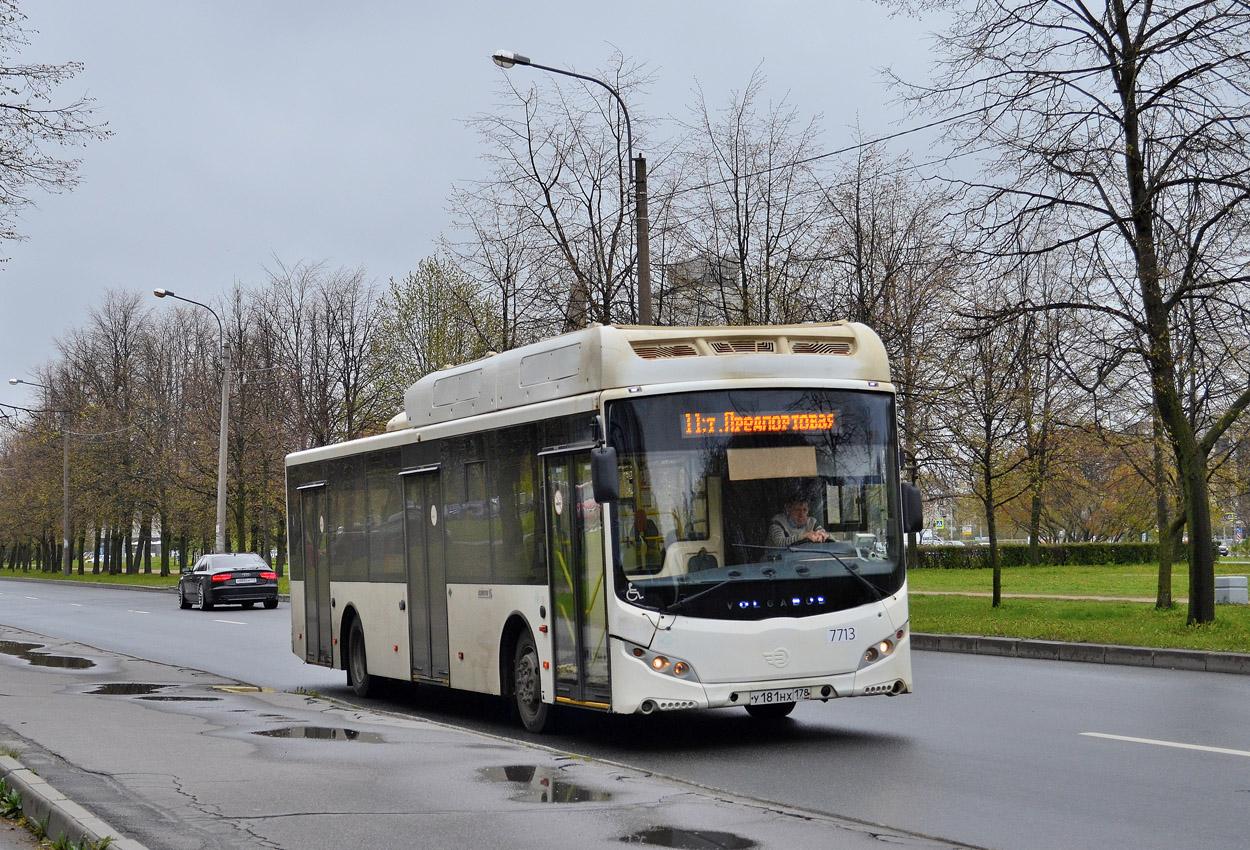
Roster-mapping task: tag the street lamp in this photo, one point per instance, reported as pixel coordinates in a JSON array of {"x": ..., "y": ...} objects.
[
  {"x": 67, "y": 553},
  {"x": 637, "y": 176},
  {"x": 219, "y": 542}
]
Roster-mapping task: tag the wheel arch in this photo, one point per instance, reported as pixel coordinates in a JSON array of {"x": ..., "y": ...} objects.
[
  {"x": 350, "y": 616},
  {"x": 515, "y": 626}
]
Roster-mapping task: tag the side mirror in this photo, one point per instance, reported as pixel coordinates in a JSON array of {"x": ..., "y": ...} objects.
[
  {"x": 605, "y": 477},
  {"x": 913, "y": 509}
]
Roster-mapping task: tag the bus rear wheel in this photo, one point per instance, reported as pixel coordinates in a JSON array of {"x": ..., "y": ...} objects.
[
  {"x": 527, "y": 685},
  {"x": 358, "y": 677},
  {"x": 771, "y": 711}
]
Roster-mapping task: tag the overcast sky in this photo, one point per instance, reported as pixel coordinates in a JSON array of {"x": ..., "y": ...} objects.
[{"x": 324, "y": 131}]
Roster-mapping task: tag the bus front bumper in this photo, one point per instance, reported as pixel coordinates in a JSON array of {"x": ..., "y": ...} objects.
[{"x": 639, "y": 688}]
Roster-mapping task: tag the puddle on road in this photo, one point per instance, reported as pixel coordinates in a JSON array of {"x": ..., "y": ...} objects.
[
  {"x": 159, "y": 698},
  {"x": 127, "y": 689},
  {"x": 689, "y": 839},
  {"x": 27, "y": 652},
  {"x": 145, "y": 691},
  {"x": 543, "y": 784},
  {"x": 323, "y": 733}
]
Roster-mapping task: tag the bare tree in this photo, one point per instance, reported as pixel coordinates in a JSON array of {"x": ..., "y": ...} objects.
[
  {"x": 987, "y": 388},
  {"x": 30, "y": 122},
  {"x": 561, "y": 178},
  {"x": 1122, "y": 127},
  {"x": 495, "y": 246},
  {"x": 752, "y": 224},
  {"x": 320, "y": 328},
  {"x": 891, "y": 262}
]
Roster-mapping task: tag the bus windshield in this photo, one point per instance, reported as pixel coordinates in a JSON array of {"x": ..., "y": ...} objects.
[{"x": 752, "y": 504}]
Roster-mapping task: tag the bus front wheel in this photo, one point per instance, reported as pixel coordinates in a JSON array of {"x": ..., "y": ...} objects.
[
  {"x": 527, "y": 685},
  {"x": 357, "y": 667}
]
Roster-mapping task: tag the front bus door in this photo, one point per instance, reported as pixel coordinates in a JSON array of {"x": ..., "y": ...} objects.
[
  {"x": 427, "y": 576},
  {"x": 317, "y": 624},
  {"x": 575, "y": 559}
]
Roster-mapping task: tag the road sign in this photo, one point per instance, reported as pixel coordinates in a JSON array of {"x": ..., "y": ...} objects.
[
  {"x": 939, "y": 524},
  {"x": 1228, "y": 517}
]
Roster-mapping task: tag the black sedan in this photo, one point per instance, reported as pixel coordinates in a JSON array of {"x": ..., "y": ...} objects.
[{"x": 228, "y": 579}]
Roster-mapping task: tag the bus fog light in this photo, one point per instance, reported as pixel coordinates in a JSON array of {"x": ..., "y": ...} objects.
[{"x": 659, "y": 662}]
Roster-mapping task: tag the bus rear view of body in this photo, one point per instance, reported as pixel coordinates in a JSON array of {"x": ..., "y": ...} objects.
[{"x": 622, "y": 519}]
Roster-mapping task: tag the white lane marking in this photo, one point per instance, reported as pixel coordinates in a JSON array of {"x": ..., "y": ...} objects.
[
  {"x": 75, "y": 605},
  {"x": 231, "y": 622},
  {"x": 32, "y": 597},
  {"x": 1175, "y": 744},
  {"x": 134, "y": 611}
]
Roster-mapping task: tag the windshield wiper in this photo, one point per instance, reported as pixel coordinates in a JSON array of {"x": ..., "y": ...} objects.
[
  {"x": 679, "y": 603},
  {"x": 876, "y": 591}
]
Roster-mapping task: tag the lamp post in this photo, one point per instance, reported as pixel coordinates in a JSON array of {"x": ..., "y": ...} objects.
[
  {"x": 67, "y": 553},
  {"x": 637, "y": 176},
  {"x": 219, "y": 542}
]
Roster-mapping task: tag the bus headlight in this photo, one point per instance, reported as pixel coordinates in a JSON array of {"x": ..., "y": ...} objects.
[
  {"x": 665, "y": 664},
  {"x": 882, "y": 648}
]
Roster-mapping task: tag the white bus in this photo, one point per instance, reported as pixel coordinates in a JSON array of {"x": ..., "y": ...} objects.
[{"x": 586, "y": 521}]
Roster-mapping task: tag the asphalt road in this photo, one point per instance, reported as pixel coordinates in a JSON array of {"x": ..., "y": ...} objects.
[{"x": 1002, "y": 753}]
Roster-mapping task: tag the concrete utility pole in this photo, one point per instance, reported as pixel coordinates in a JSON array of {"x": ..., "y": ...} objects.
[{"x": 644, "y": 241}]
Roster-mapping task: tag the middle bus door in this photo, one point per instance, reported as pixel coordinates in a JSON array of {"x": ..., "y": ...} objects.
[
  {"x": 427, "y": 576},
  {"x": 575, "y": 561}
]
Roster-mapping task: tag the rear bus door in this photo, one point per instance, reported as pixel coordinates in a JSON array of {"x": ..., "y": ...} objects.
[{"x": 317, "y": 624}]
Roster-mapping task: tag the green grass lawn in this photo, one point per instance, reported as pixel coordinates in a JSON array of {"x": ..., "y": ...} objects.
[
  {"x": 1125, "y": 623},
  {"x": 153, "y": 579},
  {"x": 1085, "y": 620},
  {"x": 1131, "y": 581}
]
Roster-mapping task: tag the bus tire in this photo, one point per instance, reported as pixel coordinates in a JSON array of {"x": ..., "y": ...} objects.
[
  {"x": 771, "y": 711},
  {"x": 527, "y": 685},
  {"x": 358, "y": 677}
]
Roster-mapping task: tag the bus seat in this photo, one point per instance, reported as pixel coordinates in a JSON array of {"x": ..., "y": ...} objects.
[{"x": 702, "y": 560}]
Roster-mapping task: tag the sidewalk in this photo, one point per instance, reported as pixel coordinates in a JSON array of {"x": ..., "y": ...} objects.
[
  {"x": 171, "y": 758},
  {"x": 13, "y": 837}
]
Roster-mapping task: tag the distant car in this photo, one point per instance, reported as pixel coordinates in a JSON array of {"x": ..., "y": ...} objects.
[
  {"x": 228, "y": 579},
  {"x": 1223, "y": 548}
]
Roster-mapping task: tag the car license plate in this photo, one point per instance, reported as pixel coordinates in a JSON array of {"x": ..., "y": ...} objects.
[
  {"x": 786, "y": 695},
  {"x": 245, "y": 581}
]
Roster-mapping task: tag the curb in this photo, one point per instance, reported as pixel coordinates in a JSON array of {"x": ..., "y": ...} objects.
[
  {"x": 65, "y": 817},
  {"x": 1093, "y": 653}
]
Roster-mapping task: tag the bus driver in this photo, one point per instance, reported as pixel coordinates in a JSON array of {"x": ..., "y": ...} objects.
[{"x": 793, "y": 525}]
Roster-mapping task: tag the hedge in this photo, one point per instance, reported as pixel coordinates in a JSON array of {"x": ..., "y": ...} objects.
[{"x": 1050, "y": 555}]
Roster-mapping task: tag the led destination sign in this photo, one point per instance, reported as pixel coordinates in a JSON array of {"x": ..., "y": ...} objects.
[{"x": 729, "y": 422}]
